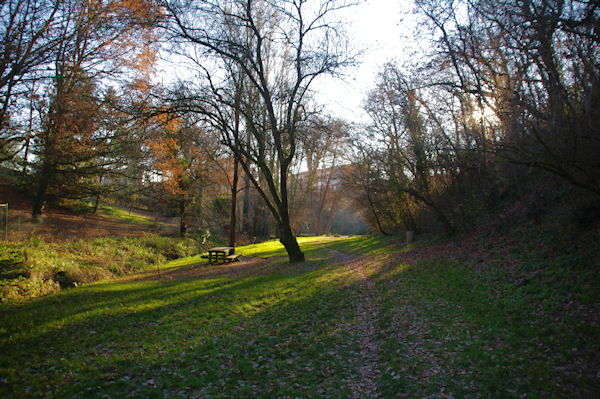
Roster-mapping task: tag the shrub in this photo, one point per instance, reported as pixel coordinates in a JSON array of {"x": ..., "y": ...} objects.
[{"x": 12, "y": 261}]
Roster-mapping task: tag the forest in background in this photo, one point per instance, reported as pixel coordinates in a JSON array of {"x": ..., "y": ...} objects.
[{"x": 498, "y": 116}]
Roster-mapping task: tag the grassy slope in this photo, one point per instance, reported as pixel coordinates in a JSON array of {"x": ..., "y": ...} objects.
[
  {"x": 34, "y": 267},
  {"x": 122, "y": 215},
  {"x": 84, "y": 248},
  {"x": 266, "y": 328},
  {"x": 513, "y": 315},
  {"x": 74, "y": 218}
]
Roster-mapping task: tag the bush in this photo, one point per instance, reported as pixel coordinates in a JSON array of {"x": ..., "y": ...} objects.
[
  {"x": 170, "y": 247},
  {"x": 12, "y": 261}
]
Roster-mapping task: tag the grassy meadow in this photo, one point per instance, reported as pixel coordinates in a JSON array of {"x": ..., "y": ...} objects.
[
  {"x": 43, "y": 260},
  {"x": 34, "y": 267},
  {"x": 363, "y": 317}
]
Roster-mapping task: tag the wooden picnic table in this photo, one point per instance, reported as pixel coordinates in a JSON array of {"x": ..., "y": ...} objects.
[
  {"x": 222, "y": 255},
  {"x": 219, "y": 254}
]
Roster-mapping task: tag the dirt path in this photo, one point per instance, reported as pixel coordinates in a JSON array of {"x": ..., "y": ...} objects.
[{"x": 364, "y": 384}]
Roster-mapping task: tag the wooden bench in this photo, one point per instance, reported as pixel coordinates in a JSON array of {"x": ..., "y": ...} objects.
[{"x": 233, "y": 258}]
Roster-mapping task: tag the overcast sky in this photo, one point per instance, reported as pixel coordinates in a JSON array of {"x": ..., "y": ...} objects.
[{"x": 383, "y": 29}]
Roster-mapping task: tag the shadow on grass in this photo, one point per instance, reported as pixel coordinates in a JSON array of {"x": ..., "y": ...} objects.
[
  {"x": 219, "y": 334},
  {"x": 175, "y": 287},
  {"x": 275, "y": 329},
  {"x": 362, "y": 245}
]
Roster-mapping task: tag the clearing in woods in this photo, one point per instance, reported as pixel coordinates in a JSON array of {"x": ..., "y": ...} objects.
[{"x": 364, "y": 317}]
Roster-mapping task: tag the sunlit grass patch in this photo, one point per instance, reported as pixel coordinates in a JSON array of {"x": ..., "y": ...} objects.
[
  {"x": 225, "y": 335},
  {"x": 126, "y": 216},
  {"x": 271, "y": 248},
  {"x": 363, "y": 245},
  {"x": 263, "y": 249}
]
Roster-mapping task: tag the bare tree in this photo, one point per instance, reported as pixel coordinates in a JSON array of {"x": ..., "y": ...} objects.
[
  {"x": 368, "y": 186},
  {"x": 316, "y": 178},
  {"x": 406, "y": 145},
  {"x": 535, "y": 66},
  {"x": 27, "y": 37},
  {"x": 279, "y": 48}
]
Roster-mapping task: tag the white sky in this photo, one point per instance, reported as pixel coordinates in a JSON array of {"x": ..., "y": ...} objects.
[{"x": 383, "y": 30}]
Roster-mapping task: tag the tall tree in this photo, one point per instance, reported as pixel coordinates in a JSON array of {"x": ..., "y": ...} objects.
[
  {"x": 67, "y": 145},
  {"x": 175, "y": 146},
  {"x": 95, "y": 39},
  {"x": 279, "y": 48}
]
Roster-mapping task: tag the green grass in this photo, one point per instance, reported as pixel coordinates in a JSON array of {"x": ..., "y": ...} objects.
[
  {"x": 124, "y": 216},
  {"x": 493, "y": 330},
  {"x": 267, "y": 328},
  {"x": 219, "y": 334},
  {"x": 34, "y": 267},
  {"x": 309, "y": 246}
]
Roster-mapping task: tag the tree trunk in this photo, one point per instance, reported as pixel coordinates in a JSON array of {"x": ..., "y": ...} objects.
[
  {"x": 245, "y": 216},
  {"x": 332, "y": 212},
  {"x": 182, "y": 225},
  {"x": 29, "y": 132},
  {"x": 373, "y": 209},
  {"x": 287, "y": 238},
  {"x": 437, "y": 211},
  {"x": 318, "y": 228},
  {"x": 323, "y": 198},
  {"x": 96, "y": 203},
  {"x": 38, "y": 200},
  {"x": 233, "y": 221},
  {"x": 40, "y": 193}
]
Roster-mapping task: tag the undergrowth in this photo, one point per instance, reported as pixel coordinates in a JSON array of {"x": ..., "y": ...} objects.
[{"x": 34, "y": 267}]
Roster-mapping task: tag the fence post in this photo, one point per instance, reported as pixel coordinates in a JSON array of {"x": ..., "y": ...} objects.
[{"x": 410, "y": 236}]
